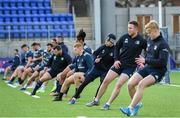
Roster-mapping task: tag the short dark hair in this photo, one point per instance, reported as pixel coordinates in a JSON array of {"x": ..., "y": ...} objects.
[
  {"x": 16, "y": 50},
  {"x": 49, "y": 44},
  {"x": 135, "y": 23},
  {"x": 58, "y": 47},
  {"x": 24, "y": 45},
  {"x": 35, "y": 43},
  {"x": 62, "y": 37}
]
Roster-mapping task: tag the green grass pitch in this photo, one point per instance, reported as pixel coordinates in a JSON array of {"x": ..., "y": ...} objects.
[{"x": 158, "y": 101}]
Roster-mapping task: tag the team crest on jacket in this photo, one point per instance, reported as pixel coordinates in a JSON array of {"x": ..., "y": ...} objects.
[
  {"x": 137, "y": 42},
  {"x": 111, "y": 54},
  {"x": 155, "y": 47},
  {"x": 126, "y": 40},
  {"x": 103, "y": 51},
  {"x": 62, "y": 58}
]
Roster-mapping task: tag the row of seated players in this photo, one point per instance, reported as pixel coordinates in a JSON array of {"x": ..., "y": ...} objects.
[{"x": 37, "y": 60}]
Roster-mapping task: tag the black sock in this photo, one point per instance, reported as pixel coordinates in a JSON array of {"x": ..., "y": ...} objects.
[
  {"x": 13, "y": 78},
  {"x": 20, "y": 81},
  {"x": 58, "y": 87},
  {"x": 60, "y": 95},
  {"x": 38, "y": 85},
  {"x": 67, "y": 90}
]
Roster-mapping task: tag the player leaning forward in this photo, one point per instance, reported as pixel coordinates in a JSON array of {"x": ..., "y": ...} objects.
[{"x": 153, "y": 67}]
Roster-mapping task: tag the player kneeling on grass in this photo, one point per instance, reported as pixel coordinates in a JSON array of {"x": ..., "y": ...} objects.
[
  {"x": 83, "y": 64},
  {"x": 153, "y": 68},
  {"x": 57, "y": 63},
  {"x": 103, "y": 60}
]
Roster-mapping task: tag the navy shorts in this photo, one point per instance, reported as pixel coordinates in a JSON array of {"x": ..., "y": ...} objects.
[
  {"x": 53, "y": 73},
  {"x": 156, "y": 73},
  {"x": 126, "y": 70}
]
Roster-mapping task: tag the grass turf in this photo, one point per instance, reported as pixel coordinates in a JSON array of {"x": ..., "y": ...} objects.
[{"x": 158, "y": 101}]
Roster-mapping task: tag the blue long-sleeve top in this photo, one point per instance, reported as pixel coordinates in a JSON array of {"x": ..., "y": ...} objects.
[
  {"x": 83, "y": 63},
  {"x": 16, "y": 61},
  {"x": 157, "y": 53}
]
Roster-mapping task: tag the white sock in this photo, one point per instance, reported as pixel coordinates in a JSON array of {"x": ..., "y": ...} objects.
[
  {"x": 43, "y": 87},
  {"x": 96, "y": 100}
]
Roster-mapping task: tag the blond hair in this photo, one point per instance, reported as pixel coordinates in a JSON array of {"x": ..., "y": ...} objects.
[{"x": 152, "y": 25}]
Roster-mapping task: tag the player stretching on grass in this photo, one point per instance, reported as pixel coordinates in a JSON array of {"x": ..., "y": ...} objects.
[
  {"x": 128, "y": 47},
  {"x": 155, "y": 68},
  {"x": 58, "y": 62}
]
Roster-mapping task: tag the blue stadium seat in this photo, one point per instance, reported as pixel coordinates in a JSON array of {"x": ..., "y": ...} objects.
[
  {"x": 20, "y": 11},
  {"x": 57, "y": 26},
  {"x": 2, "y": 27},
  {"x": 14, "y": 19},
  {"x": 33, "y": 4},
  {"x": 26, "y": 4},
  {"x": 27, "y": 11},
  {"x": 56, "y": 17},
  {"x": 48, "y": 11},
  {"x": 7, "y": 19},
  {"x": 64, "y": 25},
  {"x": 19, "y": 4},
  {"x": 44, "y": 34},
  {"x": 15, "y": 34},
  {"x": 12, "y": 4},
  {"x": 1, "y": 19},
  {"x": 23, "y": 33},
  {"x": 70, "y": 25},
  {"x": 43, "y": 26},
  {"x": 47, "y": 4},
  {"x": 42, "y": 18},
  {"x": 22, "y": 19},
  {"x": 34, "y": 11},
  {"x": 65, "y": 33},
  {"x": 40, "y": 4},
  {"x": 1, "y": 11},
  {"x": 6, "y": 4},
  {"x": 28, "y": 18},
  {"x": 69, "y": 17},
  {"x": 35, "y": 18},
  {"x": 49, "y": 18},
  {"x": 37, "y": 33},
  {"x": 62, "y": 17},
  {"x": 3, "y": 34},
  {"x": 13, "y": 11},
  {"x": 30, "y": 34},
  {"x": 41, "y": 10},
  {"x": 22, "y": 27},
  {"x": 36, "y": 26},
  {"x": 7, "y": 11}
]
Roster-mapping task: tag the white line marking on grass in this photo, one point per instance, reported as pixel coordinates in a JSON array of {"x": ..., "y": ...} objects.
[
  {"x": 81, "y": 117},
  {"x": 28, "y": 93},
  {"x": 13, "y": 86},
  {"x": 174, "y": 85}
]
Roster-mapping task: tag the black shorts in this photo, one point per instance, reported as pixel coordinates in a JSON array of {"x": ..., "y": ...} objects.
[
  {"x": 156, "y": 73},
  {"x": 126, "y": 70},
  {"x": 53, "y": 73}
]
